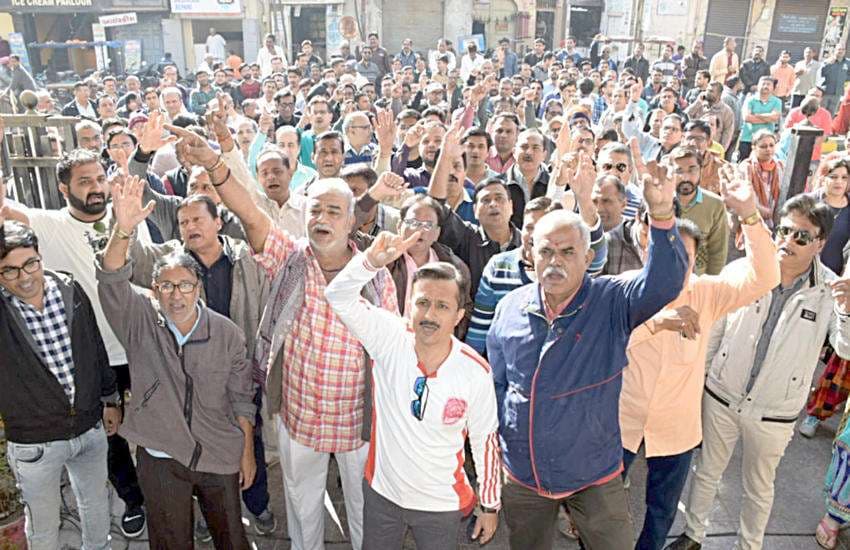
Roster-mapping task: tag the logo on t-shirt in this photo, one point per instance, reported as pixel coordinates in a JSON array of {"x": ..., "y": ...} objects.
[{"x": 454, "y": 410}]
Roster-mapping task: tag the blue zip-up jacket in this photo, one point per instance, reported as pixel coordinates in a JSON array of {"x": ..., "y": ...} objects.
[{"x": 558, "y": 385}]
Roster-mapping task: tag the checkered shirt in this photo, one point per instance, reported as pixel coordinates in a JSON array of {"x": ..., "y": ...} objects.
[
  {"x": 49, "y": 329},
  {"x": 323, "y": 379}
]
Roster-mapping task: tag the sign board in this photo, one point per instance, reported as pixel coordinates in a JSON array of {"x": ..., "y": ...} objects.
[
  {"x": 462, "y": 41},
  {"x": 99, "y": 35},
  {"x": 132, "y": 55},
  {"x": 17, "y": 47},
  {"x": 672, "y": 7},
  {"x": 793, "y": 23},
  {"x": 207, "y": 7},
  {"x": 348, "y": 27},
  {"x": 63, "y": 6},
  {"x": 333, "y": 33},
  {"x": 118, "y": 19}
]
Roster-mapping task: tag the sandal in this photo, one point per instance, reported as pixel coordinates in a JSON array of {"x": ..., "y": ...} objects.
[{"x": 826, "y": 536}]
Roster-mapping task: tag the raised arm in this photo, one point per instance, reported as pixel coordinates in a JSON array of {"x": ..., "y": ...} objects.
[
  {"x": 195, "y": 150},
  {"x": 380, "y": 331}
]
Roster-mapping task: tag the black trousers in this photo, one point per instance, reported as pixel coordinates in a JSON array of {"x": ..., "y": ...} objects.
[
  {"x": 119, "y": 460},
  {"x": 168, "y": 488}
]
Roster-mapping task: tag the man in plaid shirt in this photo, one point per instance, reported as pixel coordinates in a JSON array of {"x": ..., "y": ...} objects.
[{"x": 316, "y": 368}]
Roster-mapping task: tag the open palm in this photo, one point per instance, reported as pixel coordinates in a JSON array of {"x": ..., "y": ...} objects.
[
  {"x": 737, "y": 192},
  {"x": 127, "y": 203}
]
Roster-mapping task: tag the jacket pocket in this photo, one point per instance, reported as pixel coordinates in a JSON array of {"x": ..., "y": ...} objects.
[{"x": 146, "y": 397}]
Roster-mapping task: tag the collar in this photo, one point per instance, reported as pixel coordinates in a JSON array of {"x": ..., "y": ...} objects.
[
  {"x": 574, "y": 304},
  {"x": 367, "y": 148},
  {"x": 697, "y": 199},
  {"x": 516, "y": 237},
  {"x": 181, "y": 338}
]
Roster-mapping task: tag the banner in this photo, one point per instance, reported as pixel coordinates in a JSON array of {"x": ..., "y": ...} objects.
[
  {"x": 132, "y": 55},
  {"x": 207, "y": 7},
  {"x": 17, "y": 47},
  {"x": 100, "y": 52},
  {"x": 834, "y": 29},
  {"x": 118, "y": 19}
]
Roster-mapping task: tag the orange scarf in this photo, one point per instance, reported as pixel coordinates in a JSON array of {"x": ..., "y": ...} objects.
[{"x": 765, "y": 179}]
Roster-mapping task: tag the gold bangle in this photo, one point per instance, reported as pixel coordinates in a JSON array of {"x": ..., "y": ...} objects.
[
  {"x": 121, "y": 234},
  {"x": 219, "y": 163},
  {"x": 752, "y": 219},
  {"x": 663, "y": 217}
]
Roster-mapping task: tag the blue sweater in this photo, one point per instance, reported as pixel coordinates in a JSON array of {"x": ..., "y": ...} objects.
[{"x": 558, "y": 384}]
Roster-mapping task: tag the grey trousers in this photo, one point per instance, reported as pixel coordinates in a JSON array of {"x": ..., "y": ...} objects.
[{"x": 385, "y": 524}]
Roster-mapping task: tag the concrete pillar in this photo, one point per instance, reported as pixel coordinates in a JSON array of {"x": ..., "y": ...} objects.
[{"x": 457, "y": 20}]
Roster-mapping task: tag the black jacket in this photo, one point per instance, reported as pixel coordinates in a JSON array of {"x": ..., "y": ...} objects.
[
  {"x": 32, "y": 402},
  {"x": 541, "y": 183},
  {"x": 70, "y": 109},
  {"x": 471, "y": 244},
  {"x": 751, "y": 71}
]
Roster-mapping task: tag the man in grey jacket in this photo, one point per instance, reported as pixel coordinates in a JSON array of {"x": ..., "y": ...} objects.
[
  {"x": 233, "y": 285},
  {"x": 192, "y": 417},
  {"x": 760, "y": 364}
]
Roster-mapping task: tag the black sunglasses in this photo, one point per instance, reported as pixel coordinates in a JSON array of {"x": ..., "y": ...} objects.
[
  {"x": 620, "y": 166},
  {"x": 800, "y": 237}
]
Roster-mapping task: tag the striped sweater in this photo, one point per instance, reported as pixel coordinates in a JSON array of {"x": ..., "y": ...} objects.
[{"x": 506, "y": 272}]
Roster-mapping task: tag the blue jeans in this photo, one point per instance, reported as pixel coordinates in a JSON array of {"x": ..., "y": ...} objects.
[
  {"x": 38, "y": 472},
  {"x": 665, "y": 479}
]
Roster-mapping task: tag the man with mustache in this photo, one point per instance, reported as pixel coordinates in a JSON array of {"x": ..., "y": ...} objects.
[
  {"x": 302, "y": 344},
  {"x": 192, "y": 416},
  {"x": 68, "y": 241},
  {"x": 558, "y": 349},
  {"x": 759, "y": 369},
  {"x": 662, "y": 388},
  {"x": 702, "y": 207},
  {"x": 528, "y": 178},
  {"x": 232, "y": 285},
  {"x": 413, "y": 477}
]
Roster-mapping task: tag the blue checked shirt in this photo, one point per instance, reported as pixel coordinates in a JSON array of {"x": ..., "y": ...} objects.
[{"x": 49, "y": 329}]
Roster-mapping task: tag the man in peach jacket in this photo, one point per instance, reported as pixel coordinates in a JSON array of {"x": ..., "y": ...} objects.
[{"x": 663, "y": 384}]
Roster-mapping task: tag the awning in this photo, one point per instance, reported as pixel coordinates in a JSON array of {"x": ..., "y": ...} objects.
[{"x": 67, "y": 45}]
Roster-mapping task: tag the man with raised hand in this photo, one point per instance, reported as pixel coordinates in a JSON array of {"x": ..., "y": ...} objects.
[
  {"x": 302, "y": 344},
  {"x": 413, "y": 477},
  {"x": 558, "y": 351}
]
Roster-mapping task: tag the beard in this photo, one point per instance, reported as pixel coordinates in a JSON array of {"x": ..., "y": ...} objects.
[
  {"x": 85, "y": 206},
  {"x": 685, "y": 187}
]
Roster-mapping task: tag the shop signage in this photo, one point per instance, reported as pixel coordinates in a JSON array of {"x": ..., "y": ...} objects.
[
  {"x": 206, "y": 7},
  {"x": 60, "y": 6},
  {"x": 118, "y": 19}
]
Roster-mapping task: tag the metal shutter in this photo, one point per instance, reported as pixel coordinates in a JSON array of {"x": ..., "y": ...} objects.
[
  {"x": 419, "y": 20},
  {"x": 797, "y": 24},
  {"x": 725, "y": 18}
]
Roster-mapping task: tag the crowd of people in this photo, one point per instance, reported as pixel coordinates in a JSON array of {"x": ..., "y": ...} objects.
[{"x": 483, "y": 284}]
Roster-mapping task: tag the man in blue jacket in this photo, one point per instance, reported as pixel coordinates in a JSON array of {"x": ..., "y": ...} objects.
[{"x": 557, "y": 349}]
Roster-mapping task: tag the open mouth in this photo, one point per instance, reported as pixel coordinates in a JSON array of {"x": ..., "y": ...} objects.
[{"x": 95, "y": 199}]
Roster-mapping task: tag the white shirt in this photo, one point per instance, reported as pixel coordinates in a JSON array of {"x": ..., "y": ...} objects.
[
  {"x": 467, "y": 64},
  {"x": 264, "y": 59},
  {"x": 86, "y": 110},
  {"x": 418, "y": 464},
  {"x": 215, "y": 46},
  {"x": 432, "y": 60},
  {"x": 64, "y": 244}
]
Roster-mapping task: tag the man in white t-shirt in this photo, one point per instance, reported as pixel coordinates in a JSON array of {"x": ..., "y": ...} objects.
[
  {"x": 216, "y": 45},
  {"x": 68, "y": 241},
  {"x": 430, "y": 391}
]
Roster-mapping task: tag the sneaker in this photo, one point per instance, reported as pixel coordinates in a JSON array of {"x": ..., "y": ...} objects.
[
  {"x": 133, "y": 522},
  {"x": 684, "y": 543},
  {"x": 809, "y": 426},
  {"x": 202, "y": 532},
  {"x": 265, "y": 523}
]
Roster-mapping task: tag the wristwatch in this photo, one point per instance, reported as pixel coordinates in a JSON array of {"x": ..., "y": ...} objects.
[{"x": 752, "y": 219}]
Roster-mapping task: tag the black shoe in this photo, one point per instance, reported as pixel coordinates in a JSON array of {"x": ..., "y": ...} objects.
[
  {"x": 133, "y": 522},
  {"x": 265, "y": 523},
  {"x": 683, "y": 543}
]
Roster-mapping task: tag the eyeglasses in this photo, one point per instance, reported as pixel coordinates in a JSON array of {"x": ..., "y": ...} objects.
[
  {"x": 800, "y": 237},
  {"x": 168, "y": 287},
  {"x": 417, "y": 406},
  {"x": 286, "y": 105},
  {"x": 13, "y": 273},
  {"x": 416, "y": 225},
  {"x": 621, "y": 167}
]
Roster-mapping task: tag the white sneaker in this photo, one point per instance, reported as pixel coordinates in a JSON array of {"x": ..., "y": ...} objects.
[{"x": 809, "y": 426}]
